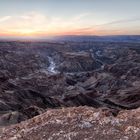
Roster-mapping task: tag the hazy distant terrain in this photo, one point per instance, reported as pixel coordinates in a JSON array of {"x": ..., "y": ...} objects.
[
  {"x": 113, "y": 38},
  {"x": 80, "y": 38}
]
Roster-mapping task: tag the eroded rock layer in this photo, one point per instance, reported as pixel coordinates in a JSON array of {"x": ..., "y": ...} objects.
[{"x": 37, "y": 76}]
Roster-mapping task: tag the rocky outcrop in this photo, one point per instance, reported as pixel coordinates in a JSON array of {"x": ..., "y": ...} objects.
[
  {"x": 77, "y": 62},
  {"x": 77, "y": 123}
]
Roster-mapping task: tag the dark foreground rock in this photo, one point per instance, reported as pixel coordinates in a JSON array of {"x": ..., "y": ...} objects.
[{"x": 78, "y": 123}]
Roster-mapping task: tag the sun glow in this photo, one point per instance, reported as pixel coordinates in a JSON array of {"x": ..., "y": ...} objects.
[
  {"x": 26, "y": 32},
  {"x": 36, "y": 24},
  {"x": 21, "y": 32}
]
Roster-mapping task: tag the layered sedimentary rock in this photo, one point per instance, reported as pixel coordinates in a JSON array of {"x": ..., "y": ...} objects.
[{"x": 93, "y": 74}]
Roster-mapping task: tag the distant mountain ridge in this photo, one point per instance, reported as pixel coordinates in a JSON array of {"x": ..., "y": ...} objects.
[
  {"x": 114, "y": 38},
  {"x": 79, "y": 38}
]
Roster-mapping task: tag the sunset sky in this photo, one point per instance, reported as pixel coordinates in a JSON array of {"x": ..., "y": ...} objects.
[{"x": 69, "y": 17}]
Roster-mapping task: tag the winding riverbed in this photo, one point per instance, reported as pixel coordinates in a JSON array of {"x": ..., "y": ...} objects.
[{"x": 52, "y": 65}]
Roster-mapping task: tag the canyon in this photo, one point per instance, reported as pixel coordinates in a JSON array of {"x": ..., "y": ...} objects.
[{"x": 38, "y": 78}]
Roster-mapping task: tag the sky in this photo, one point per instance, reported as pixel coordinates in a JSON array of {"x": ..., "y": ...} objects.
[{"x": 41, "y": 18}]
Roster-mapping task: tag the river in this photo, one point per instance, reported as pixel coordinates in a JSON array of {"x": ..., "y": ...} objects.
[{"x": 52, "y": 65}]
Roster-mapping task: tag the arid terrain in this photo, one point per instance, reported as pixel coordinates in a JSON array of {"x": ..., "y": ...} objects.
[
  {"x": 77, "y": 123},
  {"x": 69, "y": 90}
]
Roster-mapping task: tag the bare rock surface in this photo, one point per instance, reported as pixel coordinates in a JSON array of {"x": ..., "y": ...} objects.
[{"x": 77, "y": 123}]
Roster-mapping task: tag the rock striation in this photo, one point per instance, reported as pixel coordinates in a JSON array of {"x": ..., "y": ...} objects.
[{"x": 95, "y": 74}]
